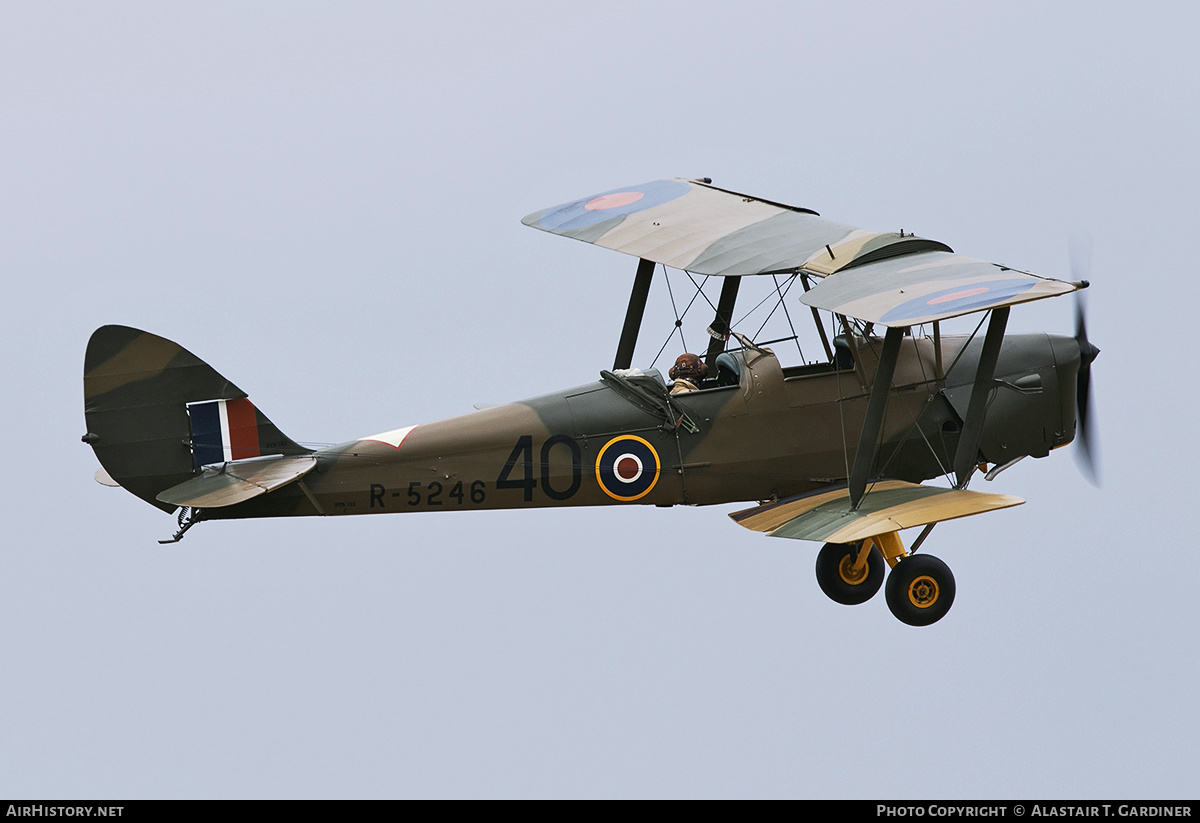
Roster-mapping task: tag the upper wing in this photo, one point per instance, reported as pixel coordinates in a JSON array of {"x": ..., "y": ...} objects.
[
  {"x": 889, "y": 278},
  {"x": 921, "y": 288},
  {"x": 826, "y": 515},
  {"x": 690, "y": 225}
]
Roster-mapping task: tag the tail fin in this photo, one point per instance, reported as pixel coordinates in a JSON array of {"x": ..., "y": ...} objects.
[{"x": 156, "y": 413}]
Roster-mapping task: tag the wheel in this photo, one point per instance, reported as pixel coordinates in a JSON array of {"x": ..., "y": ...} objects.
[
  {"x": 920, "y": 590},
  {"x": 840, "y": 581}
]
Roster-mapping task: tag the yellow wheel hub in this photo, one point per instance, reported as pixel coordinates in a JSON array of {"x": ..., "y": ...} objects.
[
  {"x": 851, "y": 575},
  {"x": 923, "y": 592}
]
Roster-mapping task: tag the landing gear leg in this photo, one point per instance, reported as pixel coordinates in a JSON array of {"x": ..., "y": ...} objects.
[{"x": 920, "y": 587}]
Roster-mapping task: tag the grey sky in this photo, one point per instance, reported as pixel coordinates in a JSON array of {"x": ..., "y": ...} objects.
[{"x": 324, "y": 202}]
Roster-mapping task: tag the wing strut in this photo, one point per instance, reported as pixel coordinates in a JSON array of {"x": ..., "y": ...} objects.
[
  {"x": 723, "y": 321},
  {"x": 633, "y": 314},
  {"x": 968, "y": 441},
  {"x": 817, "y": 320},
  {"x": 864, "y": 458}
]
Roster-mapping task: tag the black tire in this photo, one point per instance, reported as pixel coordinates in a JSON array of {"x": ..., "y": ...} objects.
[
  {"x": 920, "y": 590},
  {"x": 835, "y": 574}
]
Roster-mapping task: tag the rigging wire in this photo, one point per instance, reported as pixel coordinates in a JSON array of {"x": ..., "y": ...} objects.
[
  {"x": 781, "y": 294},
  {"x": 914, "y": 423},
  {"x": 699, "y": 290},
  {"x": 752, "y": 310},
  {"x": 786, "y": 313},
  {"x": 678, "y": 319}
]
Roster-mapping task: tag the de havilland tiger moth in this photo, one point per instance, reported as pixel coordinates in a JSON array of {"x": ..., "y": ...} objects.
[{"x": 838, "y": 450}]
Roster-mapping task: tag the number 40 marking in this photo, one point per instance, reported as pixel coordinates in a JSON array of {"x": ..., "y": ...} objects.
[{"x": 523, "y": 452}]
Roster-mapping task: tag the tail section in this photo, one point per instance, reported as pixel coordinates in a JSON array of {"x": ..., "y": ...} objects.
[{"x": 156, "y": 413}]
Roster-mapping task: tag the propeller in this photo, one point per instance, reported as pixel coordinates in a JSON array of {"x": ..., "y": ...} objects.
[{"x": 1086, "y": 454}]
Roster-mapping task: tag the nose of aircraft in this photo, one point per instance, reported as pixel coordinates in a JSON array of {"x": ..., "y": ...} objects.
[{"x": 1087, "y": 352}]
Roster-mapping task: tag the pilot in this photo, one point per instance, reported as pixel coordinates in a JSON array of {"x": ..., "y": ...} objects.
[{"x": 687, "y": 373}]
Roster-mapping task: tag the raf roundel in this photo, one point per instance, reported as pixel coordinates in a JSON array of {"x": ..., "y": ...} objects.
[
  {"x": 627, "y": 468},
  {"x": 610, "y": 205},
  {"x": 958, "y": 299}
]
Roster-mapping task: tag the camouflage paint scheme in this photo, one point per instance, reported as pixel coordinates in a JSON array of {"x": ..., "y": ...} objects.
[
  {"x": 170, "y": 429},
  {"x": 775, "y": 434}
]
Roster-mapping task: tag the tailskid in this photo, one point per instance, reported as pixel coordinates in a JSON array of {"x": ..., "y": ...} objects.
[{"x": 188, "y": 517}]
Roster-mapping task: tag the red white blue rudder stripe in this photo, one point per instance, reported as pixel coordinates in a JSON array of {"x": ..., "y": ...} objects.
[{"x": 223, "y": 430}]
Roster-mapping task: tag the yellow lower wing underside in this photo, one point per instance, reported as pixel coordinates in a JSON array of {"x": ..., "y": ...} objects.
[{"x": 825, "y": 515}]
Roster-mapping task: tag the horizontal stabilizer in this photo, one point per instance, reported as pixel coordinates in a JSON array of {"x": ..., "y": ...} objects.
[
  {"x": 105, "y": 479},
  {"x": 224, "y": 484},
  {"x": 825, "y": 515}
]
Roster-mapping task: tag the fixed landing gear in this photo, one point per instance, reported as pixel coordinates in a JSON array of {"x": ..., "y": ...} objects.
[
  {"x": 845, "y": 577},
  {"x": 919, "y": 589}
]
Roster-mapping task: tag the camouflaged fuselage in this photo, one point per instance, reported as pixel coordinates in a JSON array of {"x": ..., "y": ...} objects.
[
  {"x": 774, "y": 434},
  {"x": 770, "y": 434}
]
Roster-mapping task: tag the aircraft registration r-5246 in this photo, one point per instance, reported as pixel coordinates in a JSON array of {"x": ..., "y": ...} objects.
[{"x": 836, "y": 450}]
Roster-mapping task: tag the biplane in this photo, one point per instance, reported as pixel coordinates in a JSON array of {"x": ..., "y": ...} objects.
[{"x": 837, "y": 450}]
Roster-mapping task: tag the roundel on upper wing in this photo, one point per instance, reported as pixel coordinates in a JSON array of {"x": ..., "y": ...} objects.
[
  {"x": 958, "y": 299},
  {"x": 627, "y": 468},
  {"x": 589, "y": 211}
]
